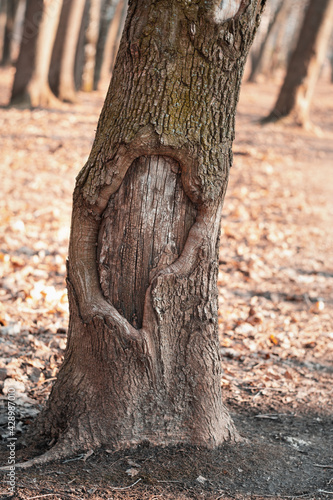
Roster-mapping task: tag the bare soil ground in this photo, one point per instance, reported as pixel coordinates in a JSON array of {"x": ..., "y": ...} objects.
[{"x": 275, "y": 311}]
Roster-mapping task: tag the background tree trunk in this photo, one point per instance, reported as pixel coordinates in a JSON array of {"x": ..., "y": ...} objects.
[
  {"x": 142, "y": 359},
  {"x": 91, "y": 39},
  {"x": 278, "y": 50},
  {"x": 3, "y": 17},
  {"x": 79, "y": 56},
  {"x": 58, "y": 46},
  {"x": 12, "y": 6},
  {"x": 61, "y": 75},
  {"x": 107, "y": 14},
  {"x": 31, "y": 79},
  {"x": 259, "y": 60},
  {"x": 303, "y": 69},
  {"x": 111, "y": 44}
]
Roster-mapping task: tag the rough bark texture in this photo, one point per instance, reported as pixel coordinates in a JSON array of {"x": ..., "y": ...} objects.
[
  {"x": 304, "y": 65},
  {"x": 31, "y": 79},
  {"x": 142, "y": 361}
]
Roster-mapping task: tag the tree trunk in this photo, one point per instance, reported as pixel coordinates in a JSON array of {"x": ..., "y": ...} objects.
[
  {"x": 61, "y": 75},
  {"x": 279, "y": 44},
  {"x": 304, "y": 65},
  {"x": 79, "y": 56},
  {"x": 111, "y": 44},
  {"x": 259, "y": 60},
  {"x": 31, "y": 79},
  {"x": 3, "y": 20},
  {"x": 91, "y": 39},
  {"x": 12, "y": 6},
  {"x": 108, "y": 12},
  {"x": 142, "y": 360},
  {"x": 58, "y": 46}
]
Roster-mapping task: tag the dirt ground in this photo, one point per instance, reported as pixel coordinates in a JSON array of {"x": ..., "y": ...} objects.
[{"x": 275, "y": 310}]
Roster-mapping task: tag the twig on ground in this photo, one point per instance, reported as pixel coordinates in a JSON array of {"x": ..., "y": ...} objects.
[
  {"x": 282, "y": 496},
  {"x": 53, "y": 494},
  {"x": 323, "y": 466},
  {"x": 273, "y": 416},
  {"x": 170, "y": 481},
  {"x": 73, "y": 459},
  {"x": 42, "y": 496},
  {"x": 125, "y": 487}
]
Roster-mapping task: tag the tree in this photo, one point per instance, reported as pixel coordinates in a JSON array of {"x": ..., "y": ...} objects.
[
  {"x": 296, "y": 93},
  {"x": 10, "y": 20},
  {"x": 107, "y": 15},
  {"x": 142, "y": 360},
  {"x": 31, "y": 78},
  {"x": 61, "y": 74},
  {"x": 259, "y": 59},
  {"x": 91, "y": 39},
  {"x": 113, "y": 40}
]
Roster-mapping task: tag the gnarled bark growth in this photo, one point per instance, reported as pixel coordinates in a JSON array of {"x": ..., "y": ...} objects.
[{"x": 142, "y": 360}]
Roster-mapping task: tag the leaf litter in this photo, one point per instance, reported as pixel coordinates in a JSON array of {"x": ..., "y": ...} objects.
[{"x": 275, "y": 306}]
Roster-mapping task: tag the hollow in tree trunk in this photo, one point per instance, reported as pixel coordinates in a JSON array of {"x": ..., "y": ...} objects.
[
  {"x": 294, "y": 100},
  {"x": 142, "y": 360}
]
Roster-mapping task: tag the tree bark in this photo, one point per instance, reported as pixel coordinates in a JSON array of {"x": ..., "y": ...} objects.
[
  {"x": 142, "y": 360},
  {"x": 304, "y": 65},
  {"x": 61, "y": 75},
  {"x": 31, "y": 79}
]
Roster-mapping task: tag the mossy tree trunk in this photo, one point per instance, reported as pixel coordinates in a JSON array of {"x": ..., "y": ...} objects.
[
  {"x": 142, "y": 360},
  {"x": 294, "y": 100}
]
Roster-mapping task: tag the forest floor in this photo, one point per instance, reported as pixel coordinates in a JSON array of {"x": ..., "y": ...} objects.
[{"x": 275, "y": 308}]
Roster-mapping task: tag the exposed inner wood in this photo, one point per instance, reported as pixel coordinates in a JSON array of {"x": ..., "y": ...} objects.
[{"x": 145, "y": 226}]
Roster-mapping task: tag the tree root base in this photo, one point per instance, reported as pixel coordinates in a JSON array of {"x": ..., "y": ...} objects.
[{"x": 68, "y": 449}]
